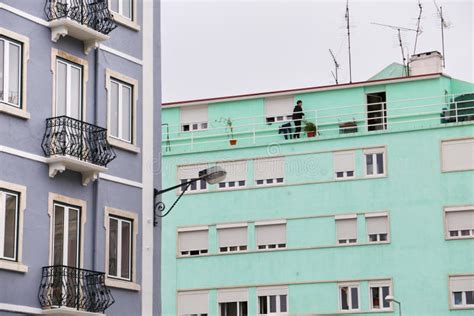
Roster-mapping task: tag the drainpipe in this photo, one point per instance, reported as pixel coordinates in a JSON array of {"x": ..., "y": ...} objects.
[{"x": 95, "y": 184}]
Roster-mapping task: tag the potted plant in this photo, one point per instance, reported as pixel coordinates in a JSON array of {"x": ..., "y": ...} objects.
[
  {"x": 228, "y": 123},
  {"x": 310, "y": 129}
]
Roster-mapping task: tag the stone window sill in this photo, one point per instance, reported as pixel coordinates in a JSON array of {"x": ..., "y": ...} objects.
[
  {"x": 123, "y": 145},
  {"x": 13, "y": 266},
  {"x": 126, "y": 285},
  {"x": 8, "y": 109},
  {"x": 126, "y": 22}
]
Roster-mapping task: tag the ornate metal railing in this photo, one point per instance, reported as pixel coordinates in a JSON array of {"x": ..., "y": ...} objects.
[
  {"x": 81, "y": 140},
  {"x": 92, "y": 13},
  {"x": 75, "y": 288}
]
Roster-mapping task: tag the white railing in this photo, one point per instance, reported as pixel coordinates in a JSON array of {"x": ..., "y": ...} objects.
[{"x": 396, "y": 115}]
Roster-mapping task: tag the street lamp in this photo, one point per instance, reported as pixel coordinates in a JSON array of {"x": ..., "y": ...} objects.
[
  {"x": 211, "y": 175},
  {"x": 390, "y": 298}
]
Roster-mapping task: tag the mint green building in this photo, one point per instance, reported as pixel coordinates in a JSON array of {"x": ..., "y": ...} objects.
[{"x": 380, "y": 202}]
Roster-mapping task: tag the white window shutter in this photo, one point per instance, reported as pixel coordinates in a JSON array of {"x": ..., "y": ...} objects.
[
  {"x": 265, "y": 291},
  {"x": 193, "y": 114},
  {"x": 236, "y": 170},
  {"x": 377, "y": 225},
  {"x": 191, "y": 171},
  {"x": 269, "y": 168},
  {"x": 279, "y": 106},
  {"x": 271, "y": 234},
  {"x": 193, "y": 240},
  {"x": 460, "y": 220},
  {"x": 344, "y": 161},
  {"x": 462, "y": 283},
  {"x": 190, "y": 303},
  {"x": 458, "y": 155},
  {"x": 346, "y": 228},
  {"x": 232, "y": 295},
  {"x": 236, "y": 236}
]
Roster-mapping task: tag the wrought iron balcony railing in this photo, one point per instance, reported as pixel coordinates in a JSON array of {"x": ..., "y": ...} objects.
[
  {"x": 66, "y": 136},
  {"x": 84, "y": 290},
  {"x": 92, "y": 13}
]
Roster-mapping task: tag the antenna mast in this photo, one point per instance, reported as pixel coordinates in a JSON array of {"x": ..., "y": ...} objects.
[
  {"x": 349, "y": 40},
  {"x": 418, "y": 28},
  {"x": 336, "y": 65},
  {"x": 444, "y": 25}
]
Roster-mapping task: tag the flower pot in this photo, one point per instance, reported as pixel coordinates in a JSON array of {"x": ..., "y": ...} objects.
[
  {"x": 233, "y": 141},
  {"x": 310, "y": 134}
]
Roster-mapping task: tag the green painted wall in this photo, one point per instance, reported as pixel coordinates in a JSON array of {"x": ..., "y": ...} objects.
[{"x": 418, "y": 259}]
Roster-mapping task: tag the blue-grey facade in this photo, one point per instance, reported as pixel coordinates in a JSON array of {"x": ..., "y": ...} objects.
[{"x": 41, "y": 177}]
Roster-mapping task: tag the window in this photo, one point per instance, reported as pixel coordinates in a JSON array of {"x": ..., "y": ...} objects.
[
  {"x": 193, "y": 242},
  {"x": 278, "y": 109},
  {"x": 344, "y": 164},
  {"x": 378, "y": 292},
  {"x": 120, "y": 248},
  {"x": 233, "y": 302},
  {"x": 11, "y": 59},
  {"x": 460, "y": 222},
  {"x": 462, "y": 291},
  {"x": 193, "y": 303},
  {"x": 236, "y": 174},
  {"x": 376, "y": 111},
  {"x": 374, "y": 162},
  {"x": 68, "y": 89},
  {"x": 121, "y": 112},
  {"x": 66, "y": 233},
  {"x": 348, "y": 297},
  {"x": 377, "y": 227},
  {"x": 269, "y": 171},
  {"x": 272, "y": 300},
  {"x": 457, "y": 155},
  {"x": 193, "y": 118},
  {"x": 123, "y": 7},
  {"x": 346, "y": 229},
  {"x": 187, "y": 173},
  {"x": 9, "y": 215},
  {"x": 270, "y": 235},
  {"x": 232, "y": 238}
]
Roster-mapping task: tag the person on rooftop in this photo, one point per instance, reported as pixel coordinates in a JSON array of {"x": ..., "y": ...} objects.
[{"x": 297, "y": 118}]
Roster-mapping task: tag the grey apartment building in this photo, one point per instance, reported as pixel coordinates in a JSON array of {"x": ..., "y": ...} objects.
[{"x": 80, "y": 97}]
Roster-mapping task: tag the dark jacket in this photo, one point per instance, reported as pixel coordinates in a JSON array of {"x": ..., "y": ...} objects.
[{"x": 298, "y": 113}]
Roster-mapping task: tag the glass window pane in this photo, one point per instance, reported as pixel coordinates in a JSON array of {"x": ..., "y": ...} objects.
[
  {"x": 113, "y": 235},
  {"x": 457, "y": 298},
  {"x": 2, "y": 61},
  {"x": 470, "y": 297},
  {"x": 380, "y": 164},
  {"x": 126, "y": 234},
  {"x": 114, "y": 109},
  {"x": 75, "y": 110},
  {"x": 114, "y": 5},
  {"x": 344, "y": 303},
  {"x": 262, "y": 305},
  {"x": 375, "y": 297},
  {"x": 369, "y": 164},
  {"x": 61, "y": 88},
  {"x": 126, "y": 112},
  {"x": 72, "y": 238},
  {"x": 10, "y": 226},
  {"x": 14, "y": 75},
  {"x": 243, "y": 310},
  {"x": 385, "y": 293},
  {"x": 127, "y": 8},
  {"x": 283, "y": 307},
  {"x": 273, "y": 303},
  {"x": 355, "y": 298},
  {"x": 58, "y": 246}
]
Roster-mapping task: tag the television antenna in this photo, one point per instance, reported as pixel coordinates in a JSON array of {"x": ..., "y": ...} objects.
[
  {"x": 399, "y": 30},
  {"x": 444, "y": 24},
  {"x": 336, "y": 66},
  {"x": 349, "y": 40},
  {"x": 418, "y": 28}
]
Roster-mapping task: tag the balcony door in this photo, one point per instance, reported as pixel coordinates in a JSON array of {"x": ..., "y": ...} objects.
[{"x": 68, "y": 89}]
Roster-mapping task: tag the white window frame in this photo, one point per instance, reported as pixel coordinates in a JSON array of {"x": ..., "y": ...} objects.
[
  {"x": 6, "y": 73},
  {"x": 445, "y": 142},
  {"x": 238, "y": 307},
  {"x": 226, "y": 185},
  {"x": 199, "y": 186},
  {"x": 69, "y": 66},
  {"x": 380, "y": 285},
  {"x": 120, "y": 222},
  {"x": 200, "y": 125},
  {"x": 349, "y": 286},
  {"x": 464, "y": 304},
  {"x": 67, "y": 208},
  {"x": 381, "y": 214},
  {"x": 374, "y": 152},
  {"x": 278, "y": 304},
  {"x": 3, "y": 195},
  {"x": 179, "y": 252},
  {"x": 271, "y": 247},
  {"x": 452, "y": 209},
  {"x": 123, "y": 85},
  {"x": 120, "y": 9},
  {"x": 234, "y": 248}
]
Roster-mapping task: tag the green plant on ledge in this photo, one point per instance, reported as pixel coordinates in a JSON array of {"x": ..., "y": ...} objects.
[
  {"x": 310, "y": 128},
  {"x": 227, "y": 121}
]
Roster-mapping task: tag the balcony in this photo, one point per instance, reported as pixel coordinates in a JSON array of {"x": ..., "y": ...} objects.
[
  {"x": 72, "y": 291},
  {"x": 76, "y": 145},
  {"x": 87, "y": 20},
  {"x": 332, "y": 122}
]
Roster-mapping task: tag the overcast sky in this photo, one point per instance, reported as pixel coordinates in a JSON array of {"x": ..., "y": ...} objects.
[{"x": 227, "y": 47}]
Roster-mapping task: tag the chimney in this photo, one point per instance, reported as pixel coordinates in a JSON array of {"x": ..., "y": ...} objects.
[{"x": 426, "y": 63}]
